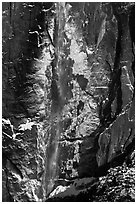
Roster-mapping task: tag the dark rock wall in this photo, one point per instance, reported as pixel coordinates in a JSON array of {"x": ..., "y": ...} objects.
[{"x": 68, "y": 93}]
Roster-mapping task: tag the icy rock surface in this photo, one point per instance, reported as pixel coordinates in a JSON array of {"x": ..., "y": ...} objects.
[{"x": 68, "y": 95}]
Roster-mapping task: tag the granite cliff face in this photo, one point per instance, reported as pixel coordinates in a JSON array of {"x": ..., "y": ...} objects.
[{"x": 68, "y": 96}]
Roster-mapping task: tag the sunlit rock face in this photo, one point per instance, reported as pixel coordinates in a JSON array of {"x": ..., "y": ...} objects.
[{"x": 68, "y": 95}]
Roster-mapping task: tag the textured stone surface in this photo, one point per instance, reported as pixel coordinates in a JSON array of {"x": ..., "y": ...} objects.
[{"x": 68, "y": 95}]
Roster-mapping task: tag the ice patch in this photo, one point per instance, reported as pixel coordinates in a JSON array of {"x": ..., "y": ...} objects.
[{"x": 26, "y": 126}]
